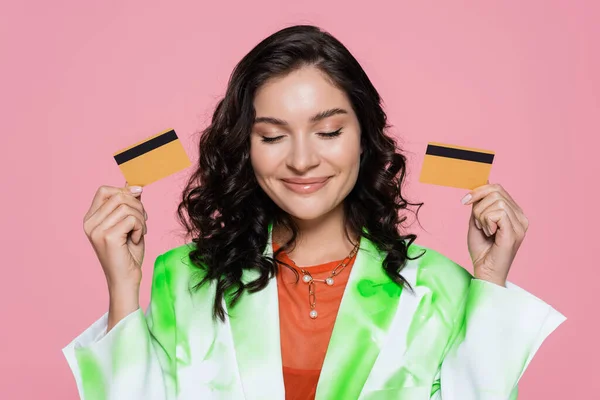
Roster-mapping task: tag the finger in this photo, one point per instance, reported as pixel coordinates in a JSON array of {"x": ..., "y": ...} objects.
[
  {"x": 110, "y": 206},
  {"x": 505, "y": 235},
  {"x": 491, "y": 225},
  {"x": 136, "y": 191},
  {"x": 505, "y": 193},
  {"x": 119, "y": 214},
  {"x": 120, "y": 197},
  {"x": 104, "y": 193},
  {"x": 483, "y": 204},
  {"x": 485, "y": 195},
  {"x": 136, "y": 235},
  {"x": 498, "y": 192},
  {"x": 475, "y": 222},
  {"x": 111, "y": 231},
  {"x": 139, "y": 196},
  {"x": 481, "y": 192},
  {"x": 130, "y": 226}
]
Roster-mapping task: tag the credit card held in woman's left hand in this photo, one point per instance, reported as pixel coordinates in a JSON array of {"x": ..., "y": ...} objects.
[
  {"x": 152, "y": 159},
  {"x": 456, "y": 166}
]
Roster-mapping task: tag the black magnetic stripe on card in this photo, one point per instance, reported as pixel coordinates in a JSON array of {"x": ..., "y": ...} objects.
[
  {"x": 460, "y": 154},
  {"x": 146, "y": 147}
]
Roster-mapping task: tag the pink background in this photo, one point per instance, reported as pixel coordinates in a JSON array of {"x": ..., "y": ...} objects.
[{"x": 80, "y": 80}]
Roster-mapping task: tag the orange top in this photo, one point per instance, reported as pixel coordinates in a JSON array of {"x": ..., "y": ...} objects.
[{"x": 304, "y": 340}]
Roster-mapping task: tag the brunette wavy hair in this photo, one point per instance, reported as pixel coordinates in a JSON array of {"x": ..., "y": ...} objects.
[{"x": 225, "y": 211}]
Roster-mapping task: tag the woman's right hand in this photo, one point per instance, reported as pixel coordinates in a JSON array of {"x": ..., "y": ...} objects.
[{"x": 115, "y": 225}]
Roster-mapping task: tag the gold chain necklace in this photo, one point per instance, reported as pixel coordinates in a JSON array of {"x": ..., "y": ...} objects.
[{"x": 329, "y": 281}]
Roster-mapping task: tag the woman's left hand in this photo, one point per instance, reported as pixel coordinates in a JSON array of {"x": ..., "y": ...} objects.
[{"x": 497, "y": 228}]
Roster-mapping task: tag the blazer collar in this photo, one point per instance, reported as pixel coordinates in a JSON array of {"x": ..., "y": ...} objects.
[
  {"x": 366, "y": 311},
  {"x": 254, "y": 325},
  {"x": 364, "y": 318}
]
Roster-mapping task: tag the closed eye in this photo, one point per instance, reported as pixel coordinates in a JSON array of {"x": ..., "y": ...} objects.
[
  {"x": 326, "y": 135},
  {"x": 267, "y": 139},
  {"x": 330, "y": 134}
]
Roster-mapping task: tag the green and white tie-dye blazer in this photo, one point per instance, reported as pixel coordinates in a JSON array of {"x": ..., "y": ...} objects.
[{"x": 452, "y": 338}]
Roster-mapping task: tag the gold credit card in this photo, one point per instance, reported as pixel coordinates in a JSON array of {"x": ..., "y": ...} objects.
[
  {"x": 456, "y": 166},
  {"x": 152, "y": 159}
]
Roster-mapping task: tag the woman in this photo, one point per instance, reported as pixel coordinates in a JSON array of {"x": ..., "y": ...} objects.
[{"x": 298, "y": 283}]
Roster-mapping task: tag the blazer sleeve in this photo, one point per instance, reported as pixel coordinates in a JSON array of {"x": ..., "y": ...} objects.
[
  {"x": 497, "y": 331},
  {"x": 136, "y": 359}
]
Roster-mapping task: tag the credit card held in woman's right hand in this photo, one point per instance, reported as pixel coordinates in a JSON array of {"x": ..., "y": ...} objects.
[
  {"x": 456, "y": 166},
  {"x": 152, "y": 159}
]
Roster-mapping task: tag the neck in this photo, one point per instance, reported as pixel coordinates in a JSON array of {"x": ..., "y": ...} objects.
[{"x": 318, "y": 241}]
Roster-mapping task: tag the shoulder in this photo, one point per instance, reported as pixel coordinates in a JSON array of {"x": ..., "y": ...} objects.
[
  {"x": 440, "y": 274},
  {"x": 174, "y": 293},
  {"x": 177, "y": 255},
  {"x": 174, "y": 269}
]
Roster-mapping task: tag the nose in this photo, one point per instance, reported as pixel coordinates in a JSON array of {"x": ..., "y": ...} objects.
[{"x": 302, "y": 156}]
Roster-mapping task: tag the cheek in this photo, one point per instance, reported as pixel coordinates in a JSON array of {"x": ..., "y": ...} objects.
[
  {"x": 350, "y": 163},
  {"x": 345, "y": 155},
  {"x": 256, "y": 161},
  {"x": 263, "y": 161}
]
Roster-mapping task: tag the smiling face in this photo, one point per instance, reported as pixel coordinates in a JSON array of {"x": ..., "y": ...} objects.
[{"x": 305, "y": 143}]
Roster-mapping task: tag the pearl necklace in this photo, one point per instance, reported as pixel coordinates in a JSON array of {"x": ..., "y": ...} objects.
[{"x": 329, "y": 281}]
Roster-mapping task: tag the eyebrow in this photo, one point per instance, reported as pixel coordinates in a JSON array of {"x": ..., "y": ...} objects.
[{"x": 315, "y": 118}]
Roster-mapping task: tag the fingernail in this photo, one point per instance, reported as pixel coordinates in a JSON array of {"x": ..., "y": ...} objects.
[
  {"x": 135, "y": 189},
  {"x": 466, "y": 199},
  {"x": 145, "y": 215},
  {"x": 477, "y": 224}
]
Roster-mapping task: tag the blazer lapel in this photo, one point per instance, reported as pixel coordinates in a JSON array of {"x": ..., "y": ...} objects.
[
  {"x": 368, "y": 306},
  {"x": 254, "y": 325}
]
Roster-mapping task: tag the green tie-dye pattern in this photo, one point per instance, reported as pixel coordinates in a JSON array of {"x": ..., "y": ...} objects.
[
  {"x": 366, "y": 312},
  {"x": 448, "y": 298},
  {"x": 180, "y": 277},
  {"x": 226, "y": 379},
  {"x": 243, "y": 318},
  {"x": 161, "y": 320},
  {"x": 127, "y": 349},
  {"x": 92, "y": 378},
  {"x": 436, "y": 387},
  {"x": 437, "y": 322},
  {"x": 254, "y": 322},
  {"x": 174, "y": 294},
  {"x": 182, "y": 281},
  {"x": 368, "y": 288}
]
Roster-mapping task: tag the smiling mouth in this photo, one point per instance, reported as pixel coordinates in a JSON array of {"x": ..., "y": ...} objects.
[{"x": 305, "y": 185}]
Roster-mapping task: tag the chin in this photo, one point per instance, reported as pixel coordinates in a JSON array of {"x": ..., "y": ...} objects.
[
  {"x": 309, "y": 210},
  {"x": 307, "y": 216},
  {"x": 306, "y": 213}
]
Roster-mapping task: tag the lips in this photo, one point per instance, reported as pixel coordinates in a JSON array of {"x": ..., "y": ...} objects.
[{"x": 305, "y": 185}]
